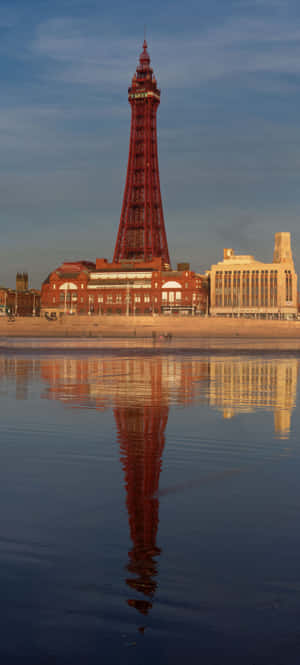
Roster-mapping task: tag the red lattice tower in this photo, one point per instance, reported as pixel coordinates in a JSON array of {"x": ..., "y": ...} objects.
[{"x": 142, "y": 234}]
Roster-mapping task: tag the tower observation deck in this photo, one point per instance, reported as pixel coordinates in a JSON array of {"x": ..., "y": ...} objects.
[{"x": 142, "y": 234}]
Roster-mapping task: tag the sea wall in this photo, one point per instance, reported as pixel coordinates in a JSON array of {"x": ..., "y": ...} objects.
[{"x": 147, "y": 327}]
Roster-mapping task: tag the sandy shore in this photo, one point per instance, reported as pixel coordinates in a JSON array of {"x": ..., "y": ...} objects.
[{"x": 206, "y": 334}]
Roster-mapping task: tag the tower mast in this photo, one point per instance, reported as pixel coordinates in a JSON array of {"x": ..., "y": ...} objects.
[{"x": 142, "y": 234}]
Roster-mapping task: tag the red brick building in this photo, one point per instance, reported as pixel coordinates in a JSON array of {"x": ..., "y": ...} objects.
[
  {"x": 133, "y": 288},
  {"x": 24, "y": 303}
]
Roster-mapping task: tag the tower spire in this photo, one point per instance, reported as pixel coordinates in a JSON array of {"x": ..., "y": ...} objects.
[{"x": 142, "y": 234}]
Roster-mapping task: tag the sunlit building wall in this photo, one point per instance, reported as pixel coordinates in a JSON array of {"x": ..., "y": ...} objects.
[{"x": 242, "y": 286}]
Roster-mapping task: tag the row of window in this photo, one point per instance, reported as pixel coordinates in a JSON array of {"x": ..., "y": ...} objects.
[
  {"x": 171, "y": 295},
  {"x": 251, "y": 288},
  {"x": 167, "y": 296},
  {"x": 100, "y": 299}
]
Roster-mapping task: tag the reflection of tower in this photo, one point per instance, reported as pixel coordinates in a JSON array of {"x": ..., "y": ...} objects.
[
  {"x": 142, "y": 234},
  {"x": 141, "y": 435}
]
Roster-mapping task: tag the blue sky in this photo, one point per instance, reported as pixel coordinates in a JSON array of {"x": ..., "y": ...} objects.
[{"x": 229, "y": 126}]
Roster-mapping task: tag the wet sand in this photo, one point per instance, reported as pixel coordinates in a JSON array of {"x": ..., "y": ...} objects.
[{"x": 195, "y": 333}]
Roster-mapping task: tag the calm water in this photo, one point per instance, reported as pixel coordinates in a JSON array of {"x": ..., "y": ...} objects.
[{"x": 149, "y": 510}]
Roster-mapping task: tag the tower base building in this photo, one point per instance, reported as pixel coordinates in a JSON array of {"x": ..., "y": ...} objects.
[
  {"x": 128, "y": 288},
  {"x": 242, "y": 286}
]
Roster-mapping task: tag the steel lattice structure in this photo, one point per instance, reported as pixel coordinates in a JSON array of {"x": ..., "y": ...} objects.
[{"x": 142, "y": 234}]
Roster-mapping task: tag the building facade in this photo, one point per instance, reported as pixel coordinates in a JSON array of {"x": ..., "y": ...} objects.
[
  {"x": 20, "y": 301},
  {"x": 132, "y": 288},
  {"x": 242, "y": 286}
]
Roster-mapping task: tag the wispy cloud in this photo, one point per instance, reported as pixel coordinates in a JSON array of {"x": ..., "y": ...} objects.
[
  {"x": 73, "y": 53},
  {"x": 228, "y": 125}
]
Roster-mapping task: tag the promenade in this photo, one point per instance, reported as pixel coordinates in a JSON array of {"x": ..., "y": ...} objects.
[{"x": 145, "y": 332}]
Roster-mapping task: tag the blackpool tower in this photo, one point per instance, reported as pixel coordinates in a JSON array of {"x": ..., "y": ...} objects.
[{"x": 142, "y": 234}]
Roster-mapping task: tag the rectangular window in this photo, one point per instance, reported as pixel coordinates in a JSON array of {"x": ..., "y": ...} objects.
[
  {"x": 100, "y": 298},
  {"x": 137, "y": 298},
  {"x": 227, "y": 287},
  {"x": 288, "y": 286},
  {"x": 246, "y": 288},
  {"x": 171, "y": 296},
  {"x": 219, "y": 286},
  {"x": 254, "y": 288},
  {"x": 273, "y": 288},
  {"x": 118, "y": 298},
  {"x": 109, "y": 299},
  {"x": 164, "y": 295},
  {"x": 264, "y": 281},
  {"x": 236, "y": 288},
  {"x": 146, "y": 298},
  {"x": 178, "y": 295}
]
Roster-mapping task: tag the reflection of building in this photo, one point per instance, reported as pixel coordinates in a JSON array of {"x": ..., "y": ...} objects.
[
  {"x": 232, "y": 384},
  {"x": 243, "y": 386},
  {"x": 140, "y": 390},
  {"x": 242, "y": 286},
  {"x": 21, "y": 370}
]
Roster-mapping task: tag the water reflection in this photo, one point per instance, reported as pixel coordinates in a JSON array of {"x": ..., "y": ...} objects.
[
  {"x": 231, "y": 385},
  {"x": 140, "y": 391},
  {"x": 141, "y": 433},
  {"x": 244, "y": 386}
]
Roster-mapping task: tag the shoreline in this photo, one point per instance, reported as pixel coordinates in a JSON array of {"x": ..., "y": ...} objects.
[{"x": 137, "y": 346}]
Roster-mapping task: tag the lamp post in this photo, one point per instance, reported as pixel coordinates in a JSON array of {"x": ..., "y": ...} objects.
[{"x": 127, "y": 298}]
